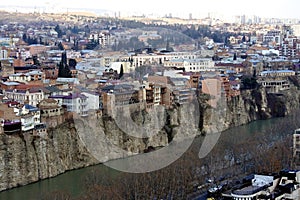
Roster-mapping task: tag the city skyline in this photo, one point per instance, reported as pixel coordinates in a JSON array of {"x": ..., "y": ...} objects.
[{"x": 196, "y": 9}]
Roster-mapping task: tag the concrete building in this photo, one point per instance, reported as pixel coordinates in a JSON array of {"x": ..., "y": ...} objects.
[
  {"x": 159, "y": 91},
  {"x": 103, "y": 38},
  {"x": 120, "y": 95},
  {"x": 192, "y": 65},
  {"x": 290, "y": 47},
  {"x": 30, "y": 117},
  {"x": 183, "y": 93},
  {"x": 161, "y": 58},
  {"x": 76, "y": 103},
  {"x": 275, "y": 80},
  {"x": 93, "y": 102},
  {"x": 273, "y": 37},
  {"x": 158, "y": 94}
]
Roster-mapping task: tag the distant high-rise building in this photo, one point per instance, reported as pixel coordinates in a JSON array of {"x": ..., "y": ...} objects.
[
  {"x": 243, "y": 19},
  {"x": 190, "y": 16}
]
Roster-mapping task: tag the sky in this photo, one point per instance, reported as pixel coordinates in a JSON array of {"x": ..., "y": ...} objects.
[{"x": 198, "y": 8}]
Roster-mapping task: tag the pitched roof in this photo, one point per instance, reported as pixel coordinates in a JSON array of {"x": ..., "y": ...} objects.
[{"x": 53, "y": 89}]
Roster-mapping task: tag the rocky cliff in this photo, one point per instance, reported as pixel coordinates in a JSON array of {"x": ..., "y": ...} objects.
[
  {"x": 26, "y": 158},
  {"x": 251, "y": 105},
  {"x": 87, "y": 141}
]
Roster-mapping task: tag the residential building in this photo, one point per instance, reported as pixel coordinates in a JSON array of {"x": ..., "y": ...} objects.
[
  {"x": 296, "y": 30},
  {"x": 74, "y": 102},
  {"x": 52, "y": 91},
  {"x": 32, "y": 76},
  {"x": 275, "y": 80},
  {"x": 182, "y": 91},
  {"x": 149, "y": 35},
  {"x": 290, "y": 47},
  {"x": 274, "y": 85},
  {"x": 273, "y": 36},
  {"x": 30, "y": 96},
  {"x": 103, "y": 38},
  {"x": 119, "y": 95},
  {"x": 50, "y": 108},
  {"x": 159, "y": 91},
  {"x": 30, "y": 117},
  {"x": 160, "y": 58},
  {"x": 93, "y": 101},
  {"x": 158, "y": 94},
  {"x": 192, "y": 65}
]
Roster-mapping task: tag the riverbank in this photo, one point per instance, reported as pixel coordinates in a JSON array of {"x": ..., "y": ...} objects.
[
  {"x": 73, "y": 182},
  {"x": 26, "y": 158}
]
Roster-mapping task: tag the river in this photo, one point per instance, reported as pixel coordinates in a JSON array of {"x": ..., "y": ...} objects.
[{"x": 73, "y": 182}]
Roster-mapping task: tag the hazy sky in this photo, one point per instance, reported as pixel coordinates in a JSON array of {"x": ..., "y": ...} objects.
[{"x": 264, "y": 8}]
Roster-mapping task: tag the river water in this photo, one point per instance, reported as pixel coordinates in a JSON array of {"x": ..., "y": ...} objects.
[{"x": 73, "y": 182}]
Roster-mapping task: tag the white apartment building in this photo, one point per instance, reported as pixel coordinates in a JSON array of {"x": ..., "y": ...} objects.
[
  {"x": 103, "y": 38},
  {"x": 192, "y": 65},
  {"x": 30, "y": 116},
  {"x": 92, "y": 100},
  {"x": 273, "y": 36},
  {"x": 75, "y": 102},
  {"x": 290, "y": 47},
  {"x": 147, "y": 59}
]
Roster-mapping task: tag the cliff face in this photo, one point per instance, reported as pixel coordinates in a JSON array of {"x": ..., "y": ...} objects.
[
  {"x": 87, "y": 141},
  {"x": 251, "y": 105},
  {"x": 78, "y": 143},
  {"x": 25, "y": 158}
]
